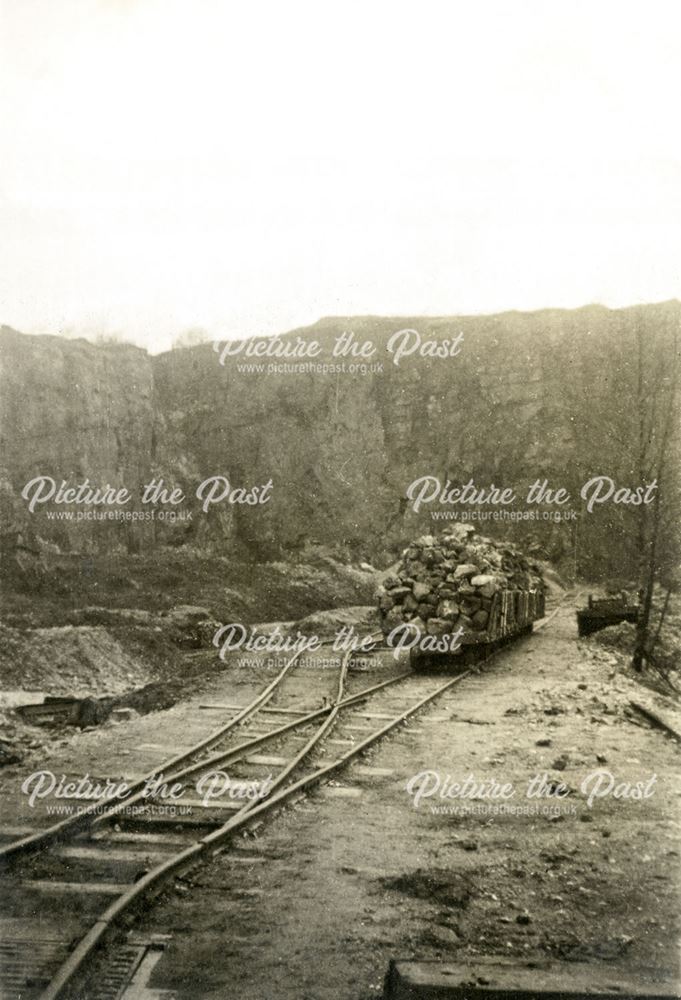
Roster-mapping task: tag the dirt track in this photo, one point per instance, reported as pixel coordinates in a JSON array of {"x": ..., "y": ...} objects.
[
  {"x": 329, "y": 891},
  {"x": 374, "y": 878}
]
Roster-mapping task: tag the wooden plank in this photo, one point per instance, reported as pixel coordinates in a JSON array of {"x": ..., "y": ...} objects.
[
  {"x": 268, "y": 760},
  {"x": 222, "y": 708},
  {"x": 169, "y": 749},
  {"x": 365, "y": 770},
  {"x": 496, "y": 978},
  {"x": 105, "y": 853},
  {"x": 669, "y": 723},
  {"x": 132, "y": 838},
  {"x": 197, "y": 804},
  {"x": 16, "y": 832},
  {"x": 246, "y": 859},
  {"x": 341, "y": 791},
  {"x": 78, "y": 888}
]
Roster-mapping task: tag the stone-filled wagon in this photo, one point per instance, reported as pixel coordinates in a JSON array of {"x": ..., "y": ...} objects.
[{"x": 481, "y": 591}]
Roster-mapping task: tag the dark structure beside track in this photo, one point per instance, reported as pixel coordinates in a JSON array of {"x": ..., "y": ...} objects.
[{"x": 600, "y": 613}]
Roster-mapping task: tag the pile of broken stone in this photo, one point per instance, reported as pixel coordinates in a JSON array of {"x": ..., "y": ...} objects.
[{"x": 449, "y": 581}]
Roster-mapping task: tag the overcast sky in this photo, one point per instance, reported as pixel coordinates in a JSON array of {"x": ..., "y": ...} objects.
[{"x": 247, "y": 167}]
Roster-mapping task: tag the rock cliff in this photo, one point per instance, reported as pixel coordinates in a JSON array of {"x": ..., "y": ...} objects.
[{"x": 527, "y": 395}]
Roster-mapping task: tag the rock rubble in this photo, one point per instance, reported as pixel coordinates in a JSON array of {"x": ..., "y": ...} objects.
[{"x": 451, "y": 580}]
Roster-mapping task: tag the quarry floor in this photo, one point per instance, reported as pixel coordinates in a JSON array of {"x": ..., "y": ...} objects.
[{"x": 356, "y": 875}]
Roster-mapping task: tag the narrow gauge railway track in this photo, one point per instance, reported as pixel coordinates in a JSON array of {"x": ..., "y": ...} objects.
[
  {"x": 96, "y": 835},
  {"x": 256, "y": 711},
  {"x": 101, "y": 848},
  {"x": 29, "y": 944},
  {"x": 72, "y": 825}
]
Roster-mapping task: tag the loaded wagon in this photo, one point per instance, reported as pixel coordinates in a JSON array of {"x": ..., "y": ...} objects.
[
  {"x": 512, "y": 615},
  {"x": 483, "y": 592}
]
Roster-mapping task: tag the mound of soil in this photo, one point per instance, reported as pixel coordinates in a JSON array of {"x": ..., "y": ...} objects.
[
  {"x": 73, "y": 660},
  {"x": 620, "y": 637},
  {"x": 153, "y": 583},
  {"x": 326, "y": 624}
]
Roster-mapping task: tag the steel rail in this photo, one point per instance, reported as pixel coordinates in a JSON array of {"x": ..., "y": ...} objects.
[
  {"x": 186, "y": 858},
  {"x": 315, "y": 776},
  {"x": 80, "y": 821},
  {"x": 92, "y": 814},
  {"x": 251, "y": 808},
  {"x": 211, "y": 843},
  {"x": 235, "y": 754},
  {"x": 543, "y": 622},
  {"x": 314, "y": 739}
]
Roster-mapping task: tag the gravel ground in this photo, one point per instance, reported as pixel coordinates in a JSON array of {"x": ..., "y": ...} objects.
[
  {"x": 352, "y": 880},
  {"x": 315, "y": 906}
]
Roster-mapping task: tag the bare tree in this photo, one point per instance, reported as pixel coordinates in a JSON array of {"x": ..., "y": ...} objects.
[{"x": 657, "y": 406}]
